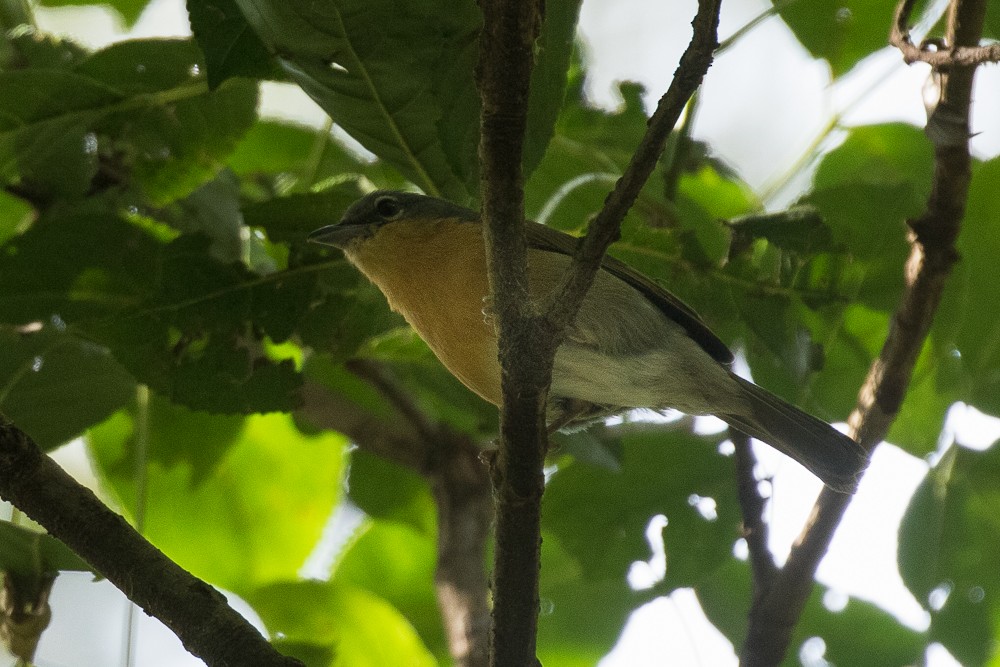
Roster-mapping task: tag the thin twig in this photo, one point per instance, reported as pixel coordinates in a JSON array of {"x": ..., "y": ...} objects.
[
  {"x": 932, "y": 255},
  {"x": 752, "y": 507},
  {"x": 929, "y": 52},
  {"x": 197, "y": 613},
  {"x": 606, "y": 227},
  {"x": 377, "y": 375}
]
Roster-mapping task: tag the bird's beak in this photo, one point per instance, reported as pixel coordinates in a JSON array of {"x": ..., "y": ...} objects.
[{"x": 340, "y": 235}]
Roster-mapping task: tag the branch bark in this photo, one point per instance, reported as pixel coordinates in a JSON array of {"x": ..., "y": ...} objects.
[
  {"x": 932, "y": 254},
  {"x": 752, "y": 507},
  {"x": 528, "y": 340},
  {"x": 197, "y": 613},
  {"x": 526, "y": 351},
  {"x": 932, "y": 52}
]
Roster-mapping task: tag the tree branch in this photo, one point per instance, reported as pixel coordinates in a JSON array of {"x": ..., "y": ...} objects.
[
  {"x": 197, "y": 613},
  {"x": 932, "y": 255},
  {"x": 606, "y": 227},
  {"x": 459, "y": 481},
  {"x": 461, "y": 486},
  {"x": 752, "y": 508},
  {"x": 375, "y": 374},
  {"x": 526, "y": 351},
  {"x": 528, "y": 342}
]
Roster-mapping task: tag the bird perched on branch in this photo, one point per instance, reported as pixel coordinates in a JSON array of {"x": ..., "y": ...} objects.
[{"x": 632, "y": 345}]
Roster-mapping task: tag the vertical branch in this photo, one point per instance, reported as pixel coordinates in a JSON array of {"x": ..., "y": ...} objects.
[
  {"x": 752, "y": 507},
  {"x": 932, "y": 254},
  {"x": 528, "y": 341},
  {"x": 449, "y": 461},
  {"x": 506, "y": 43},
  {"x": 461, "y": 488}
]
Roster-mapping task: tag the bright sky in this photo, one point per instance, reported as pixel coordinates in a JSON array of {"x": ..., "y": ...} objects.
[{"x": 787, "y": 104}]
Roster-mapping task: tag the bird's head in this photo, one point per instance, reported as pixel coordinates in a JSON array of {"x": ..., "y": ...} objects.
[{"x": 372, "y": 212}]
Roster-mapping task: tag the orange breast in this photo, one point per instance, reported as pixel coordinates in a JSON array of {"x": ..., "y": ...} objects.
[{"x": 434, "y": 275}]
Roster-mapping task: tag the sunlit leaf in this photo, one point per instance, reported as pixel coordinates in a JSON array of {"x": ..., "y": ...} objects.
[
  {"x": 397, "y": 563},
  {"x": 128, "y": 9},
  {"x": 239, "y": 518},
  {"x": 360, "y": 628}
]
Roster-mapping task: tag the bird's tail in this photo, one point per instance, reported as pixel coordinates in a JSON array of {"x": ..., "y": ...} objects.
[{"x": 823, "y": 450}]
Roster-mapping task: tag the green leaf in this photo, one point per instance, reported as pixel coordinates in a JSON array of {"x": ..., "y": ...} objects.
[
  {"x": 53, "y": 385},
  {"x": 175, "y": 436},
  {"x": 361, "y": 629},
  {"x": 665, "y": 473},
  {"x": 247, "y": 517},
  {"x": 832, "y": 353},
  {"x": 991, "y": 26},
  {"x": 934, "y": 387},
  {"x": 28, "y": 553},
  {"x": 274, "y": 151},
  {"x": 179, "y": 320},
  {"x": 548, "y": 78},
  {"x": 396, "y": 562},
  {"x": 45, "y": 116},
  {"x": 589, "y": 151},
  {"x": 865, "y": 190},
  {"x": 859, "y": 634},
  {"x": 14, "y": 215},
  {"x": 398, "y": 78},
  {"x": 175, "y": 134},
  {"x": 144, "y": 66},
  {"x": 292, "y": 218},
  {"x": 581, "y": 617},
  {"x": 176, "y": 148},
  {"x": 230, "y": 46},
  {"x": 800, "y": 230},
  {"x": 338, "y": 380},
  {"x": 137, "y": 103},
  {"x": 44, "y": 273},
  {"x": 970, "y": 294},
  {"x": 128, "y": 9},
  {"x": 213, "y": 210},
  {"x": 385, "y": 490},
  {"x": 40, "y": 51},
  {"x": 840, "y": 31},
  {"x": 947, "y": 555}
]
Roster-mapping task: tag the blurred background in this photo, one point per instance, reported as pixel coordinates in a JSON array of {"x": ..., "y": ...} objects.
[{"x": 765, "y": 103}]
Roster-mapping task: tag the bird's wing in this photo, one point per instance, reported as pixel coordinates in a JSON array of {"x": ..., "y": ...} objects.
[{"x": 542, "y": 237}]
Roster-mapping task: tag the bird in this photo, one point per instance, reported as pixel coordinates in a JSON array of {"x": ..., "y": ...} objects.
[{"x": 632, "y": 345}]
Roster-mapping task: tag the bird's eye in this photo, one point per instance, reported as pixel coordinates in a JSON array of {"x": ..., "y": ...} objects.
[{"x": 388, "y": 208}]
